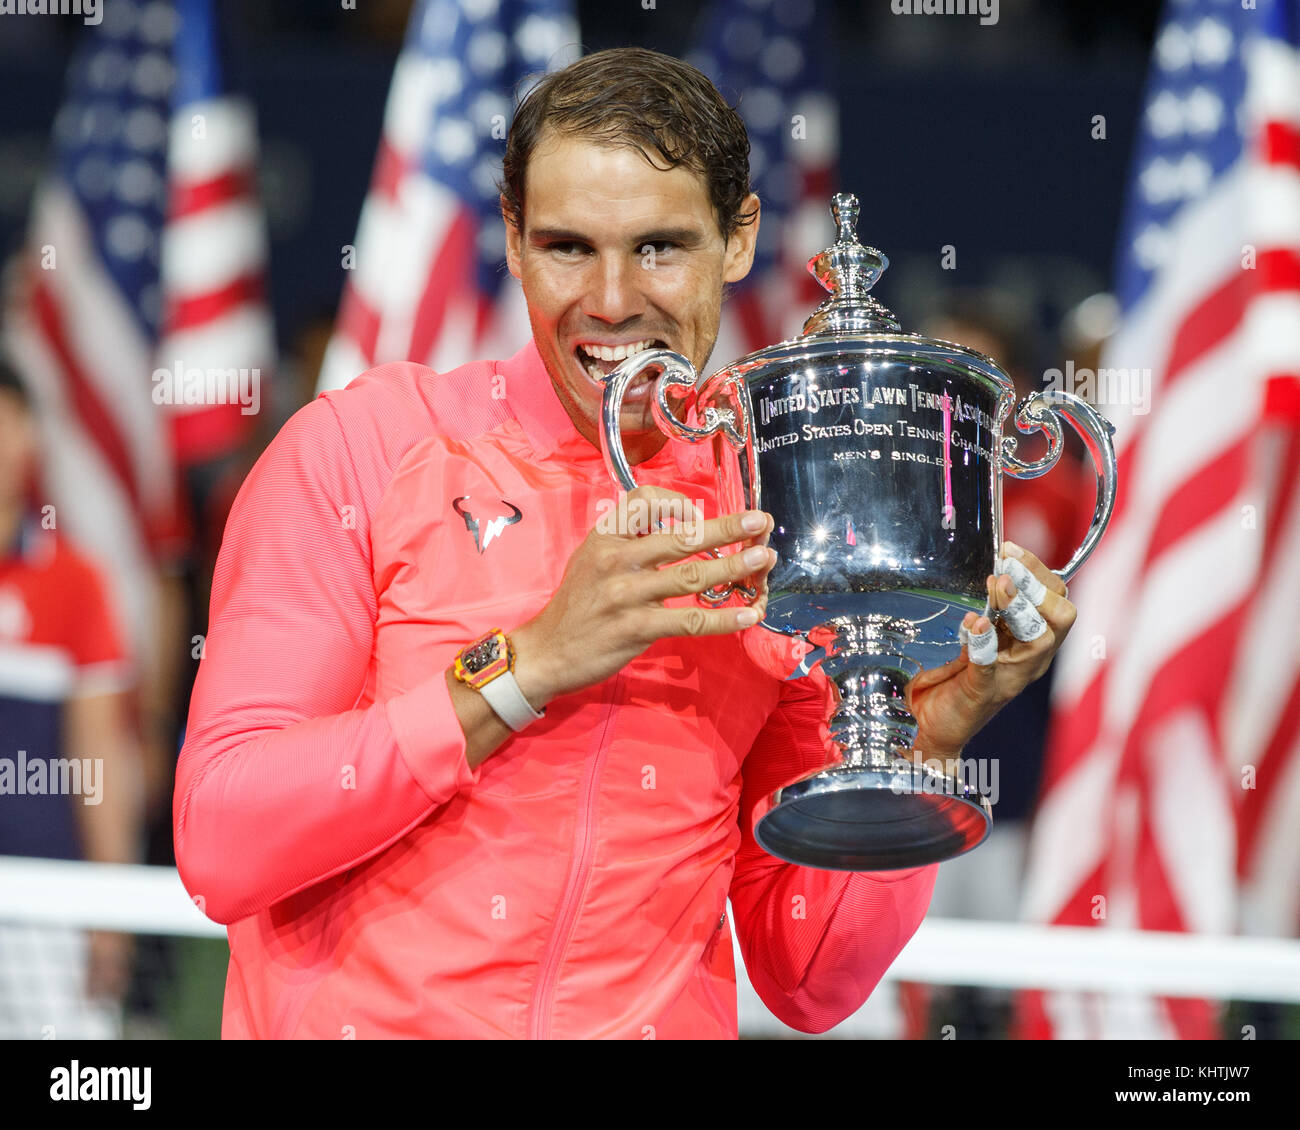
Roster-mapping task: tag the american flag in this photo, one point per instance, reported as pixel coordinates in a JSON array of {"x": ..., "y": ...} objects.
[
  {"x": 770, "y": 55},
  {"x": 145, "y": 249},
  {"x": 428, "y": 266},
  {"x": 214, "y": 255},
  {"x": 1171, "y": 794}
]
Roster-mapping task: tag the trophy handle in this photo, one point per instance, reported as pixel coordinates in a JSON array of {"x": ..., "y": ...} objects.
[
  {"x": 731, "y": 424},
  {"x": 1042, "y": 412}
]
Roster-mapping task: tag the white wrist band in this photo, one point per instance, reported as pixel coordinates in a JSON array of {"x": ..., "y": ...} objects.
[{"x": 505, "y": 697}]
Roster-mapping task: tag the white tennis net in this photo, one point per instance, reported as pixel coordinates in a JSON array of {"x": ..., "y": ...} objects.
[{"x": 47, "y": 906}]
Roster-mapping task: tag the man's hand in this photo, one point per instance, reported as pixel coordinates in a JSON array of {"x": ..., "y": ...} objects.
[
  {"x": 609, "y": 606},
  {"x": 953, "y": 702}
]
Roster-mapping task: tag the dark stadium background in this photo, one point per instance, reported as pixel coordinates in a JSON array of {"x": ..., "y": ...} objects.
[{"x": 948, "y": 137}]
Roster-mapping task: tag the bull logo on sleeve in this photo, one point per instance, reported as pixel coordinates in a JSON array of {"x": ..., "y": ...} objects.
[{"x": 494, "y": 527}]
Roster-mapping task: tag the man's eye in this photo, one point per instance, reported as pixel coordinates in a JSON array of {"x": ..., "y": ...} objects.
[
  {"x": 659, "y": 247},
  {"x": 567, "y": 247}
]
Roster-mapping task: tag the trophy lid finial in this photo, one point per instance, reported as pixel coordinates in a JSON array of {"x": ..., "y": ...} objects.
[
  {"x": 848, "y": 270},
  {"x": 844, "y": 209}
]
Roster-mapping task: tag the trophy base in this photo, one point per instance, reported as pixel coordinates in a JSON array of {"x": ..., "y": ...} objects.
[{"x": 873, "y": 818}]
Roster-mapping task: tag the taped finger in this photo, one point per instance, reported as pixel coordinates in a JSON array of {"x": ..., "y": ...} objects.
[
  {"x": 982, "y": 647},
  {"x": 1023, "y": 579},
  {"x": 1053, "y": 580},
  {"x": 1023, "y": 620},
  {"x": 963, "y": 632}
]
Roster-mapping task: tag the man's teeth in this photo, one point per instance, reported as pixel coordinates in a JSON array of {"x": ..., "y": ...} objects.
[
  {"x": 616, "y": 352},
  {"x": 590, "y": 355}
]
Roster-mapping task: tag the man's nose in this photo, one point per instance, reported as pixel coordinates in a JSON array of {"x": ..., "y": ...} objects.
[{"x": 615, "y": 293}]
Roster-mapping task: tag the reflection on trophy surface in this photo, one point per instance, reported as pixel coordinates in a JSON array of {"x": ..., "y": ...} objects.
[{"x": 880, "y": 456}]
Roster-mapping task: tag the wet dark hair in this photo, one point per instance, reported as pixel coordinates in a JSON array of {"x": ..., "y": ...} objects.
[{"x": 641, "y": 99}]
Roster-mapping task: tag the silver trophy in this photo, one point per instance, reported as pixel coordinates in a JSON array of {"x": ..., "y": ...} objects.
[{"x": 880, "y": 456}]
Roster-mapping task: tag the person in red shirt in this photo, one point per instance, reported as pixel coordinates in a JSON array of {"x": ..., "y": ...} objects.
[
  {"x": 70, "y": 778},
  {"x": 408, "y": 837}
]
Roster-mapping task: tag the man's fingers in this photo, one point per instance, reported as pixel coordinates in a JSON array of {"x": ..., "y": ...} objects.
[
  {"x": 982, "y": 642},
  {"x": 1054, "y": 608},
  {"x": 647, "y": 510},
  {"x": 694, "y": 621},
  {"x": 697, "y": 575},
  {"x": 1023, "y": 620},
  {"x": 1014, "y": 552},
  {"x": 1034, "y": 589},
  {"x": 692, "y": 537}
]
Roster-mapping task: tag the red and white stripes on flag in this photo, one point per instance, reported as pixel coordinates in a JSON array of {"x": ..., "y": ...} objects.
[
  {"x": 409, "y": 292},
  {"x": 1182, "y": 668},
  {"x": 426, "y": 277},
  {"x": 214, "y": 259},
  {"x": 105, "y": 461},
  {"x": 145, "y": 255}
]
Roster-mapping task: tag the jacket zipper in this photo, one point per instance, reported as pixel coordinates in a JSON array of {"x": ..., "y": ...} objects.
[
  {"x": 577, "y": 880},
  {"x": 710, "y": 952}
]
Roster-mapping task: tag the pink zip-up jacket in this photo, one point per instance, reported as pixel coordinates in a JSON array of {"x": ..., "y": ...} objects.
[{"x": 575, "y": 883}]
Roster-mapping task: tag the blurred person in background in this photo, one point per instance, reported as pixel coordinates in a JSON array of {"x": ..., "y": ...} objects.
[
  {"x": 65, "y": 683},
  {"x": 1050, "y": 512}
]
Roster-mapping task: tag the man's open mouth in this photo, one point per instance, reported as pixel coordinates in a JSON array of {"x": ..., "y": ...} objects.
[{"x": 598, "y": 360}]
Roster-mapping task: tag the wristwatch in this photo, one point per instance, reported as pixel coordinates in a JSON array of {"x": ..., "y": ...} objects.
[{"x": 488, "y": 666}]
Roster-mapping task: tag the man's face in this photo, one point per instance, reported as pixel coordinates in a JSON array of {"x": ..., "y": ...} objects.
[{"x": 617, "y": 253}]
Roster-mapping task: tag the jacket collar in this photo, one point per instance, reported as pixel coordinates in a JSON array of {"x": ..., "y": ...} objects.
[{"x": 531, "y": 397}]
